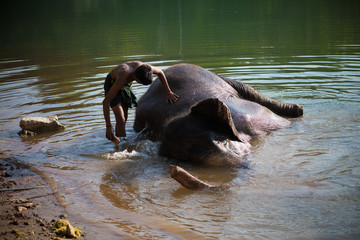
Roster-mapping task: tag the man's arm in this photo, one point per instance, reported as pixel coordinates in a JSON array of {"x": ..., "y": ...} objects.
[{"x": 170, "y": 96}]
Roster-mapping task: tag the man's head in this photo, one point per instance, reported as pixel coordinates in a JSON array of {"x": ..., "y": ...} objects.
[{"x": 143, "y": 74}]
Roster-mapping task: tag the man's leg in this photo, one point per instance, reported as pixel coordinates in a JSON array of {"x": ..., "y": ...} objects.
[{"x": 121, "y": 115}]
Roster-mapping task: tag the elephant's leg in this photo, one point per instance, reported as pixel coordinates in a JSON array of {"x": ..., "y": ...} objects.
[{"x": 249, "y": 93}]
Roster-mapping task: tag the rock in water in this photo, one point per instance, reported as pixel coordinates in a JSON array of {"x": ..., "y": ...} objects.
[{"x": 40, "y": 124}]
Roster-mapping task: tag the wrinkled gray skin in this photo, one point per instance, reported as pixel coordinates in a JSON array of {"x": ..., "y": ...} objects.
[{"x": 213, "y": 120}]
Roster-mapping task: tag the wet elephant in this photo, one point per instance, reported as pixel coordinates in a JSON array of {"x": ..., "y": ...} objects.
[{"x": 213, "y": 120}]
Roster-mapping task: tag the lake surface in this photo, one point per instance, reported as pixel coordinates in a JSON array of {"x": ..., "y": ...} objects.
[{"x": 304, "y": 183}]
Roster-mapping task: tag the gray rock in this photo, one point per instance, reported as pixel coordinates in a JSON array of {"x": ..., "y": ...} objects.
[{"x": 41, "y": 124}]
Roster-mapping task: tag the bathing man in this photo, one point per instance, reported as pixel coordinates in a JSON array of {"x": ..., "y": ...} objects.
[{"x": 119, "y": 95}]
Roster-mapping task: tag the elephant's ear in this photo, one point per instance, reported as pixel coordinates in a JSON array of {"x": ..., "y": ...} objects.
[{"x": 215, "y": 112}]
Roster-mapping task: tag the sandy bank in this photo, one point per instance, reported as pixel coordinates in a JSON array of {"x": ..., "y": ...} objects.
[{"x": 26, "y": 214}]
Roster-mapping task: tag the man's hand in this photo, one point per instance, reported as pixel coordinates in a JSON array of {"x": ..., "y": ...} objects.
[
  {"x": 110, "y": 133},
  {"x": 171, "y": 97}
]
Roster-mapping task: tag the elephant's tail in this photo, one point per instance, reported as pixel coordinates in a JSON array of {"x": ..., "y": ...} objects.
[{"x": 280, "y": 108}]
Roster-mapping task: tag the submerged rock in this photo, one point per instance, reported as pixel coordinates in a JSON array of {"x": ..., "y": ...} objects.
[
  {"x": 26, "y": 133},
  {"x": 35, "y": 125}
]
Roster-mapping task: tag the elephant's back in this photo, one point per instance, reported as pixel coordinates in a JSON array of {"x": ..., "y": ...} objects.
[
  {"x": 191, "y": 79},
  {"x": 192, "y": 83},
  {"x": 185, "y": 73}
]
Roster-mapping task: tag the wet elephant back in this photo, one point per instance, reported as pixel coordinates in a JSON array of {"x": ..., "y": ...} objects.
[{"x": 192, "y": 83}]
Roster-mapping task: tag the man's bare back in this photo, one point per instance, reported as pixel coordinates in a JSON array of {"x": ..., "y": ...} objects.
[{"x": 126, "y": 69}]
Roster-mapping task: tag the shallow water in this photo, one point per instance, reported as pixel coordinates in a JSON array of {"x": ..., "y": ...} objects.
[{"x": 304, "y": 183}]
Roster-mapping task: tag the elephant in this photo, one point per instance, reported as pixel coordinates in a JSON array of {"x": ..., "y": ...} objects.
[{"x": 213, "y": 120}]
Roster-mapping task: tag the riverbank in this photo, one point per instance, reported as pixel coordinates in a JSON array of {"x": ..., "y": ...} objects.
[{"x": 27, "y": 213}]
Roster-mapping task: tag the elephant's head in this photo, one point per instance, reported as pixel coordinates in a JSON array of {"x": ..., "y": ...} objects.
[{"x": 207, "y": 135}]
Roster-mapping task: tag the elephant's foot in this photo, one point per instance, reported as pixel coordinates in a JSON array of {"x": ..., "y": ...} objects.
[{"x": 187, "y": 180}]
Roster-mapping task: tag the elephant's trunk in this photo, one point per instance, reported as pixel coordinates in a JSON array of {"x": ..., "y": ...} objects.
[
  {"x": 189, "y": 181},
  {"x": 249, "y": 93}
]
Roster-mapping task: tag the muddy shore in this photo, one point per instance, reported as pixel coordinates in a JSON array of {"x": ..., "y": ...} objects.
[{"x": 29, "y": 213}]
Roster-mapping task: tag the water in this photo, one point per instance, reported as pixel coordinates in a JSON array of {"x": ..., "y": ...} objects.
[{"x": 305, "y": 180}]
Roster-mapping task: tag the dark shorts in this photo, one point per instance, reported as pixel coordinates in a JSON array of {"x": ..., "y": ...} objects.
[{"x": 125, "y": 95}]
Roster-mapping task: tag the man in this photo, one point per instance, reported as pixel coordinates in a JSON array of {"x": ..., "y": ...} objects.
[{"x": 119, "y": 95}]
